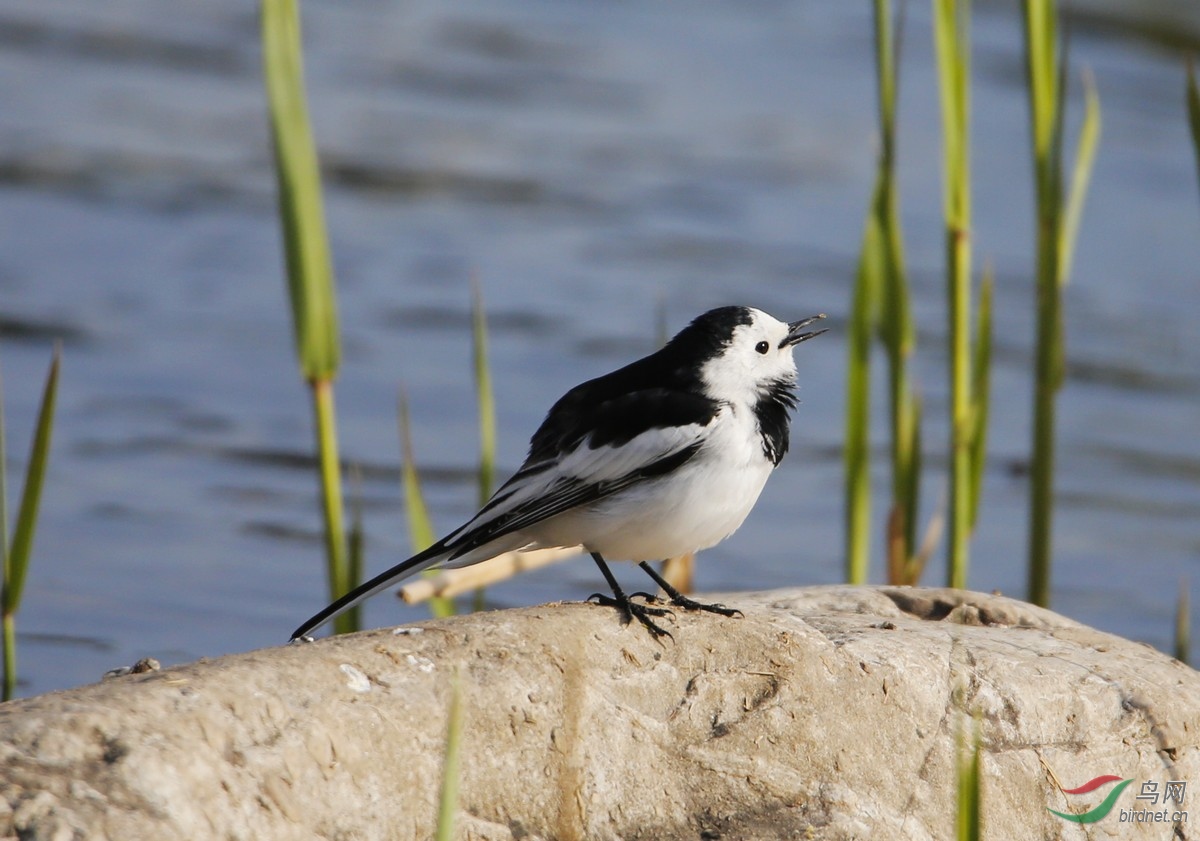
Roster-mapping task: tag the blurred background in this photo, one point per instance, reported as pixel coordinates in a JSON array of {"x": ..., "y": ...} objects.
[{"x": 591, "y": 164}]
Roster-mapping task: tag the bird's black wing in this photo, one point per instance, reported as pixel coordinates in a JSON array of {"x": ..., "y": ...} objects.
[
  {"x": 628, "y": 439},
  {"x": 612, "y": 410}
]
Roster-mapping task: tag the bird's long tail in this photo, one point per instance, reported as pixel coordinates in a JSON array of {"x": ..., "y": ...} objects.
[{"x": 421, "y": 561}]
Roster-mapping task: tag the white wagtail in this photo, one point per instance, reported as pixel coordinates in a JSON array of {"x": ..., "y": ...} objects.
[{"x": 660, "y": 458}]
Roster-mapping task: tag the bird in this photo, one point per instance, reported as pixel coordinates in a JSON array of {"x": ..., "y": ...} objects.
[{"x": 660, "y": 458}]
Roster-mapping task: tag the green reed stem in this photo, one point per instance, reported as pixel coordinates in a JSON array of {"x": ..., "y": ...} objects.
[
  {"x": 981, "y": 381},
  {"x": 4, "y": 562},
  {"x": 9, "y": 631},
  {"x": 487, "y": 406},
  {"x": 881, "y": 303},
  {"x": 18, "y": 554},
  {"x": 1057, "y": 222},
  {"x": 483, "y": 394},
  {"x": 1193, "y": 110},
  {"x": 309, "y": 268},
  {"x": 420, "y": 525},
  {"x": 301, "y": 211},
  {"x": 356, "y": 541},
  {"x": 895, "y": 321},
  {"x": 857, "y": 453},
  {"x": 1183, "y": 623},
  {"x": 969, "y": 823},
  {"x": 451, "y": 764},
  {"x": 1183, "y": 611},
  {"x": 951, "y": 36},
  {"x": 1042, "y": 71},
  {"x": 340, "y": 575}
]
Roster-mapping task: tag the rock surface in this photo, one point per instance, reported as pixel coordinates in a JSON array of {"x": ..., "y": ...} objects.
[{"x": 826, "y": 713}]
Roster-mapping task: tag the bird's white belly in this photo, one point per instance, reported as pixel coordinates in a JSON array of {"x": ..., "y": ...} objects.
[{"x": 692, "y": 508}]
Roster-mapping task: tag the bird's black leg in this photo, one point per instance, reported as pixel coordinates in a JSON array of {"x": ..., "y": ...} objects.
[
  {"x": 631, "y": 609},
  {"x": 680, "y": 600}
]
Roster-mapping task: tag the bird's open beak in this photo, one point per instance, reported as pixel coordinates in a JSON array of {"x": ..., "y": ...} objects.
[{"x": 795, "y": 333}]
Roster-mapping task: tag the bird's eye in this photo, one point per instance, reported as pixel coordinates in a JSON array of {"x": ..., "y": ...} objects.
[{"x": 762, "y": 347}]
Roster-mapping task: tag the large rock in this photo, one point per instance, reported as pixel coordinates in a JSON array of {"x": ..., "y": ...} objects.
[{"x": 823, "y": 713}]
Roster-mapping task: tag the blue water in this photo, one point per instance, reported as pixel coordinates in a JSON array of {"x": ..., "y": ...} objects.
[{"x": 589, "y": 163}]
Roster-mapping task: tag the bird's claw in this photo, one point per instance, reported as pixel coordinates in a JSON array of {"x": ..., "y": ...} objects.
[
  {"x": 691, "y": 604},
  {"x": 650, "y": 597},
  {"x": 636, "y": 610},
  {"x": 610, "y": 601}
]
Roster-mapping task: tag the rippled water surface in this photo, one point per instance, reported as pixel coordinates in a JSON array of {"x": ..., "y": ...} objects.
[{"x": 589, "y": 163}]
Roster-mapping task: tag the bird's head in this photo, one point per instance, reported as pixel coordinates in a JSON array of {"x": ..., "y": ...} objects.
[{"x": 749, "y": 353}]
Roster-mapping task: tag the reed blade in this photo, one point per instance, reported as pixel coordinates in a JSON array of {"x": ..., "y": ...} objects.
[
  {"x": 309, "y": 268},
  {"x": 18, "y": 554},
  {"x": 881, "y": 306},
  {"x": 483, "y": 393},
  {"x": 970, "y": 783},
  {"x": 21, "y": 549},
  {"x": 914, "y": 562},
  {"x": 1183, "y": 623},
  {"x": 356, "y": 541},
  {"x": 301, "y": 212},
  {"x": 981, "y": 386},
  {"x": 451, "y": 765},
  {"x": 1193, "y": 110},
  {"x": 856, "y": 453},
  {"x": 951, "y": 38},
  {"x": 1058, "y": 219},
  {"x": 340, "y": 576},
  {"x": 1085, "y": 161},
  {"x": 4, "y": 573},
  {"x": 420, "y": 525},
  {"x": 487, "y": 406}
]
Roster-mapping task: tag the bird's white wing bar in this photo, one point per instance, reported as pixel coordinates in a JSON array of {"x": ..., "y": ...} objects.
[
  {"x": 581, "y": 476},
  {"x": 609, "y": 461}
]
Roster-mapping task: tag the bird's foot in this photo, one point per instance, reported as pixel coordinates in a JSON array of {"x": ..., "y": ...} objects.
[
  {"x": 636, "y": 610},
  {"x": 682, "y": 601}
]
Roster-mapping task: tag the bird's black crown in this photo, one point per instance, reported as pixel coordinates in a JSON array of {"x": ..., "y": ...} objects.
[{"x": 710, "y": 333}]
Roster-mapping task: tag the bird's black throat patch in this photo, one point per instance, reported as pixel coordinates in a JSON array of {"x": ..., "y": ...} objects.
[{"x": 771, "y": 412}]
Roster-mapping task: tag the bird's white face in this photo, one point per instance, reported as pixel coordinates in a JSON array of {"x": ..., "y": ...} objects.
[{"x": 758, "y": 355}]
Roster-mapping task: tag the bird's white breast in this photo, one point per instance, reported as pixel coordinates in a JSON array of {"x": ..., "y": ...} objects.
[{"x": 692, "y": 508}]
